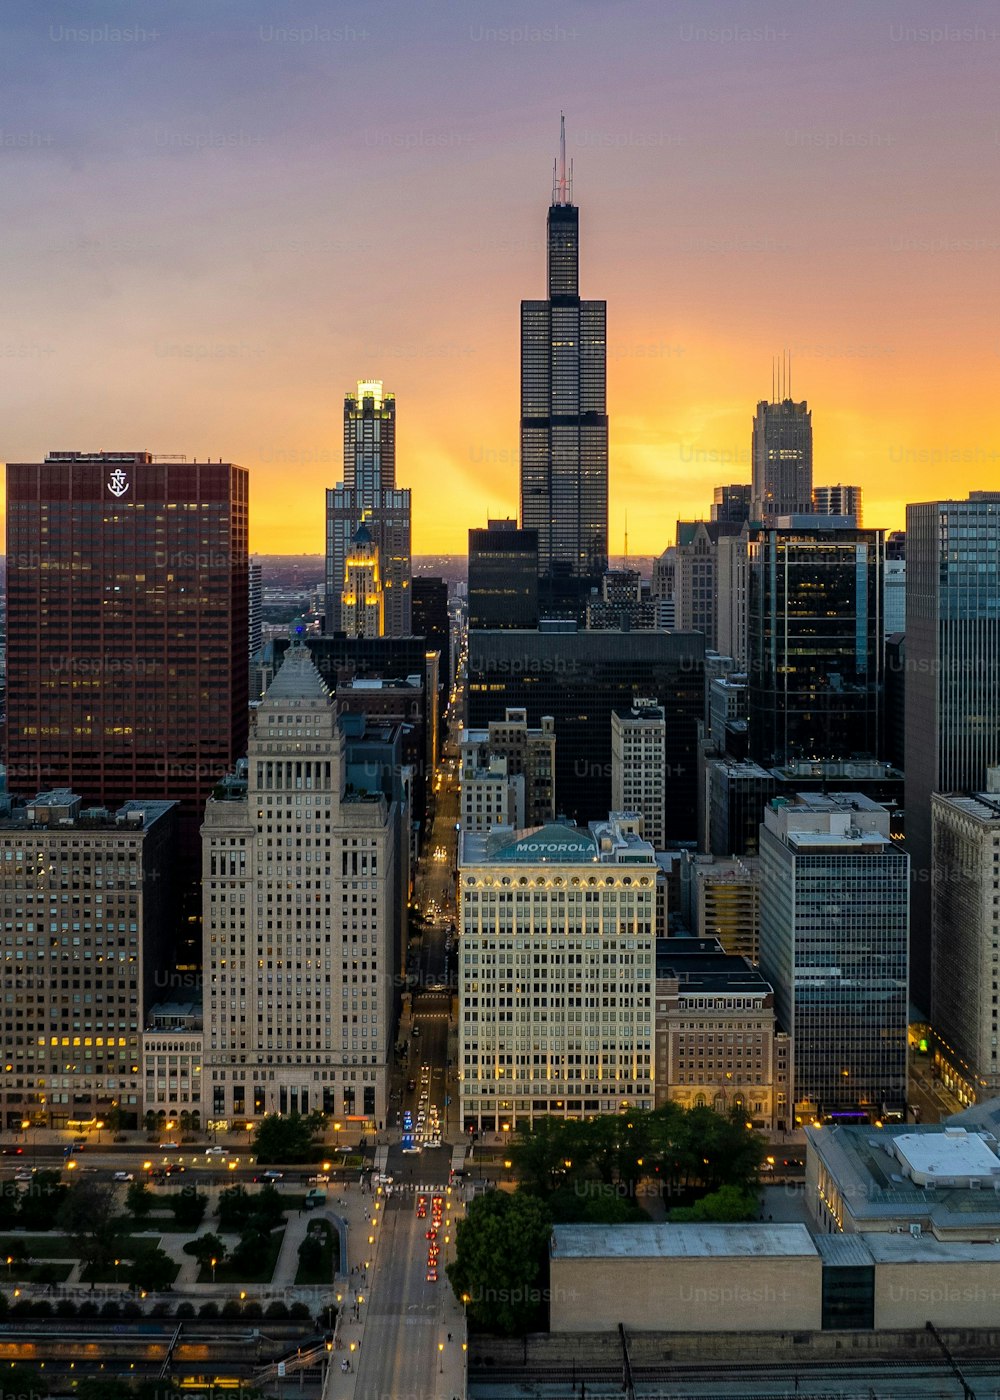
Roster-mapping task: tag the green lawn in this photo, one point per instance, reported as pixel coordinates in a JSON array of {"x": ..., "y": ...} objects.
[
  {"x": 42, "y": 1273},
  {"x": 119, "y": 1275},
  {"x": 331, "y": 1256},
  {"x": 260, "y": 1272},
  {"x": 59, "y": 1247}
]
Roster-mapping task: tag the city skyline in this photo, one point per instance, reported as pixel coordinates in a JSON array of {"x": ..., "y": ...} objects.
[{"x": 212, "y": 262}]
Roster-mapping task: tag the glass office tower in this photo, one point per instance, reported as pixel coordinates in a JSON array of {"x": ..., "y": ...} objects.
[
  {"x": 952, "y": 675},
  {"x": 834, "y": 909},
  {"x": 782, "y": 459},
  {"x": 815, "y": 642}
]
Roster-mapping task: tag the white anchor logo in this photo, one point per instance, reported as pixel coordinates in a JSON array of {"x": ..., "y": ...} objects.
[{"x": 118, "y": 483}]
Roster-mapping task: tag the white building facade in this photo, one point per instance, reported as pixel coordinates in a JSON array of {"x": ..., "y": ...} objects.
[
  {"x": 300, "y": 921},
  {"x": 638, "y": 766},
  {"x": 556, "y": 974}
]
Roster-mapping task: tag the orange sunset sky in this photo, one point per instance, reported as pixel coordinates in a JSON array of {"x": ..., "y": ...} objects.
[{"x": 210, "y": 235}]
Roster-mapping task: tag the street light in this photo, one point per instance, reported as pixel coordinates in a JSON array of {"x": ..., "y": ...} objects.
[
  {"x": 441, "y": 1355},
  {"x": 214, "y": 1262},
  {"x": 117, "y": 1262}
]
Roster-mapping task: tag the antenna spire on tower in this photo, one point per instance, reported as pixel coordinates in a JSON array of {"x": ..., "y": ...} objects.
[{"x": 562, "y": 184}]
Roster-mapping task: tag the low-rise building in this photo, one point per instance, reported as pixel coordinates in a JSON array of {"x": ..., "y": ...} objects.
[
  {"x": 717, "y": 1043},
  {"x": 529, "y": 752},
  {"x": 490, "y": 795},
  {"x": 172, "y": 1050},
  {"x": 721, "y": 899}
]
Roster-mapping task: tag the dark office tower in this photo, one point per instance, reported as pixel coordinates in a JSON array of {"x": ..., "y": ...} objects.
[
  {"x": 368, "y": 492},
  {"x": 782, "y": 460},
  {"x": 564, "y": 425},
  {"x": 128, "y": 628},
  {"x": 503, "y": 576},
  {"x": 432, "y": 620},
  {"x": 815, "y": 643},
  {"x": 952, "y": 699},
  {"x": 580, "y": 678},
  {"x": 731, "y": 504},
  {"x": 838, "y": 500}
]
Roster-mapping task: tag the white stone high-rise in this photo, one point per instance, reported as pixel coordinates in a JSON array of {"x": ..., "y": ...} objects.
[
  {"x": 301, "y": 920},
  {"x": 638, "y": 767}
]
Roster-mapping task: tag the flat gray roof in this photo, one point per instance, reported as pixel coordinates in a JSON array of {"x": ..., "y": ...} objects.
[{"x": 687, "y": 1241}]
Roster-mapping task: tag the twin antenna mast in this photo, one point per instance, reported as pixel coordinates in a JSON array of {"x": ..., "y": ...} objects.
[{"x": 562, "y": 184}]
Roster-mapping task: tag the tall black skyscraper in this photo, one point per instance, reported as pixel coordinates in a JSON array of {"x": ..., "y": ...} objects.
[
  {"x": 564, "y": 424},
  {"x": 815, "y": 642},
  {"x": 503, "y": 576}
]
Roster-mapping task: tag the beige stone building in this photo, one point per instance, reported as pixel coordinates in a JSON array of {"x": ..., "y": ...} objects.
[{"x": 717, "y": 1042}]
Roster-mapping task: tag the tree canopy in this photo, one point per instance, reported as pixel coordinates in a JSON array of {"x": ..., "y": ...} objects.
[
  {"x": 288, "y": 1137},
  {"x": 500, "y": 1270}
]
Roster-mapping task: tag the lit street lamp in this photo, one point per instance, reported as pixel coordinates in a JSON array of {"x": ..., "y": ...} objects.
[{"x": 441, "y": 1355}]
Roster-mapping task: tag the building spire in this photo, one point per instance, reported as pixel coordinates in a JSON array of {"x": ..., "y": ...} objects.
[{"x": 562, "y": 185}]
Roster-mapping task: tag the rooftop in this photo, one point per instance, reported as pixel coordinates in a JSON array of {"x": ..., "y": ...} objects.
[
  {"x": 687, "y": 1241},
  {"x": 701, "y": 965}
]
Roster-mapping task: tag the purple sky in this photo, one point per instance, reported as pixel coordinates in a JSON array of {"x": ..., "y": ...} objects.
[{"x": 211, "y": 234}]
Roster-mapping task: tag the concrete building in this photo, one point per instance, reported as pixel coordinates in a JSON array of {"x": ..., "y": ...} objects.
[
  {"x": 834, "y": 908},
  {"x": 728, "y": 704},
  {"x": 301, "y": 920},
  {"x": 173, "y": 1048},
  {"x": 490, "y": 795},
  {"x": 733, "y": 588},
  {"x": 88, "y": 918},
  {"x": 721, "y": 899},
  {"x": 529, "y": 752},
  {"x": 782, "y": 454},
  {"x": 838, "y": 500},
  {"x": 684, "y": 1278},
  {"x": 638, "y": 766},
  {"x": 556, "y": 969},
  {"x": 894, "y": 596},
  {"x": 937, "y": 1179},
  {"x": 767, "y": 1278},
  {"x": 717, "y": 1042},
  {"x": 696, "y": 580},
  {"x": 965, "y": 924}
]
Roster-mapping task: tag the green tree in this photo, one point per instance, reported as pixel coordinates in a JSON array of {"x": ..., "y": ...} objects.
[
  {"x": 235, "y": 1208},
  {"x": 151, "y": 1270},
  {"x": 188, "y": 1206},
  {"x": 501, "y": 1261},
  {"x": 206, "y": 1248},
  {"x": 288, "y": 1137},
  {"x": 89, "y": 1216},
  {"x": 252, "y": 1247},
  {"x": 729, "y": 1203},
  {"x": 138, "y": 1200},
  {"x": 41, "y": 1202},
  {"x": 268, "y": 1208},
  {"x": 541, "y": 1152},
  {"x": 311, "y": 1253},
  {"x": 18, "y": 1381}
]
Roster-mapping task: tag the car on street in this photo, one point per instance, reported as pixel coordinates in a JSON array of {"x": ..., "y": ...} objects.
[
  {"x": 215, "y": 1151},
  {"x": 124, "y": 1176},
  {"x": 411, "y": 1084},
  {"x": 22, "y": 1174},
  {"x": 432, "y": 1275},
  {"x": 272, "y": 1175}
]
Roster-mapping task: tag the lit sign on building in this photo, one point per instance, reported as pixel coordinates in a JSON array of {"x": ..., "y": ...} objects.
[{"x": 118, "y": 482}]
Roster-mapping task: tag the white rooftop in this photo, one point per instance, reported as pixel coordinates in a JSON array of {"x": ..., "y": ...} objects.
[
  {"x": 953, "y": 1155},
  {"x": 687, "y": 1241}
]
